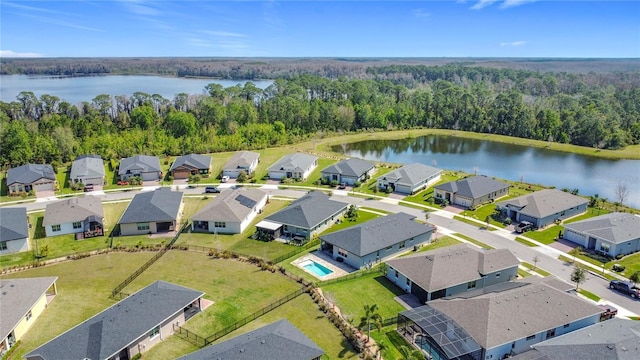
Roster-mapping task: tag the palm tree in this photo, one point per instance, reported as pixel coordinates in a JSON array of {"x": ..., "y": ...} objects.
[
  {"x": 410, "y": 353},
  {"x": 371, "y": 316}
]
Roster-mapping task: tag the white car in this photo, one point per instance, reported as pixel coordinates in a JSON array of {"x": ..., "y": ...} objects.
[{"x": 225, "y": 179}]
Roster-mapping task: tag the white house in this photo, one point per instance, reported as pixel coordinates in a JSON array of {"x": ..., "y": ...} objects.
[
  {"x": 75, "y": 215},
  {"x": 246, "y": 161},
  {"x": 612, "y": 234},
  {"x": 294, "y": 166},
  {"x": 409, "y": 179},
  {"x": 230, "y": 212},
  {"x": 14, "y": 230}
]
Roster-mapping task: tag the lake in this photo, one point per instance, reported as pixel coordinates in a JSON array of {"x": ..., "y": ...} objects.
[
  {"x": 591, "y": 175},
  {"x": 78, "y": 89}
]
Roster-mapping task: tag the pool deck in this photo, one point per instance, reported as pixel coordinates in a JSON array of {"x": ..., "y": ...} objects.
[{"x": 319, "y": 257}]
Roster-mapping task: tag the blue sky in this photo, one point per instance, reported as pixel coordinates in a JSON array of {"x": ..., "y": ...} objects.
[{"x": 446, "y": 28}]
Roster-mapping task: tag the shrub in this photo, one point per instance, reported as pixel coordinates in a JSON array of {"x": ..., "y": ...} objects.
[{"x": 136, "y": 356}]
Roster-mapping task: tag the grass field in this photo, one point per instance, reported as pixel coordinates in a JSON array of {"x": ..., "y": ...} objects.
[
  {"x": 84, "y": 287},
  {"x": 550, "y": 234},
  {"x": 238, "y": 289},
  {"x": 441, "y": 242},
  {"x": 474, "y": 241}
]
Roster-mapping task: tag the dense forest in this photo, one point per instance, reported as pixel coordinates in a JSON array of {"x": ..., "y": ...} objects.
[{"x": 600, "y": 110}]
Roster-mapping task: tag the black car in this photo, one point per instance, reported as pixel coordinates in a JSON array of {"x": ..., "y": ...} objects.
[
  {"x": 211, "y": 189},
  {"x": 88, "y": 188},
  {"x": 625, "y": 287}
]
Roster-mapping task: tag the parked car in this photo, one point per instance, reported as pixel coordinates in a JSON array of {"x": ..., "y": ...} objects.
[
  {"x": 211, "y": 189},
  {"x": 524, "y": 226},
  {"x": 225, "y": 179},
  {"x": 342, "y": 186},
  {"x": 88, "y": 188},
  {"x": 625, "y": 287}
]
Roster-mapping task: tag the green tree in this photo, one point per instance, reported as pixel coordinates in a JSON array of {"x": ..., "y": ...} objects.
[
  {"x": 242, "y": 177},
  {"x": 17, "y": 147},
  {"x": 575, "y": 252},
  {"x": 578, "y": 276},
  {"x": 143, "y": 117},
  {"x": 635, "y": 277},
  {"x": 371, "y": 317},
  {"x": 410, "y": 353},
  {"x": 181, "y": 123}
]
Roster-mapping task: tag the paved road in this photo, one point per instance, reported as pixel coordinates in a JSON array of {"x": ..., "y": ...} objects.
[{"x": 446, "y": 224}]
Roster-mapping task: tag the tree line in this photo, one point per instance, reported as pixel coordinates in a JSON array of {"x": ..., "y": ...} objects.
[{"x": 601, "y": 111}]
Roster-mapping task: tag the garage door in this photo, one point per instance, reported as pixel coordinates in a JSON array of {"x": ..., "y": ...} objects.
[{"x": 43, "y": 187}]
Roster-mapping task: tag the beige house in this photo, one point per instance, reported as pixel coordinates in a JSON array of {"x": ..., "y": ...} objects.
[
  {"x": 152, "y": 212},
  {"x": 21, "y": 303}
]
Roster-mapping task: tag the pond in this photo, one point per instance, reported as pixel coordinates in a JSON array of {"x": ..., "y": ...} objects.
[{"x": 590, "y": 175}]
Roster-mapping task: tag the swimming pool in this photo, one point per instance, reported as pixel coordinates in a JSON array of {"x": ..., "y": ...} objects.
[{"x": 316, "y": 268}]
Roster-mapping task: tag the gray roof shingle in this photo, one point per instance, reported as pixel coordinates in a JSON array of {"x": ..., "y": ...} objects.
[
  {"x": 229, "y": 205},
  {"x": 453, "y": 265},
  {"x": 17, "y": 297},
  {"x": 13, "y": 224},
  {"x": 194, "y": 161},
  {"x": 473, "y": 187},
  {"x": 377, "y": 234},
  {"x": 106, "y": 333},
  {"x": 279, "y": 340},
  {"x": 615, "y": 227},
  {"x": 30, "y": 173},
  {"x": 412, "y": 174},
  {"x": 350, "y": 167},
  {"x": 144, "y": 163},
  {"x": 72, "y": 210},
  {"x": 615, "y": 339},
  {"x": 87, "y": 166},
  {"x": 497, "y": 318},
  {"x": 308, "y": 211},
  {"x": 241, "y": 160},
  {"x": 161, "y": 204},
  {"x": 294, "y": 162},
  {"x": 543, "y": 203}
]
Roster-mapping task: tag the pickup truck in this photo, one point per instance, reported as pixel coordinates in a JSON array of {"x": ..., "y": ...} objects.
[{"x": 625, "y": 287}]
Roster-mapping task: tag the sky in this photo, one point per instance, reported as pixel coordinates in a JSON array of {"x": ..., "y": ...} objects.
[{"x": 350, "y": 28}]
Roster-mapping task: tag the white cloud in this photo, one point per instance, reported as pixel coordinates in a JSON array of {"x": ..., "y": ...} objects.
[
  {"x": 513, "y": 43},
  {"x": 14, "y": 54},
  {"x": 140, "y": 8},
  {"x": 223, "y": 33},
  {"x": 482, "y": 4},
  {"x": 514, "y": 3},
  {"x": 421, "y": 13}
]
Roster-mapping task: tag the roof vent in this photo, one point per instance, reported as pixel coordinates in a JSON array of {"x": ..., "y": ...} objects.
[{"x": 263, "y": 341}]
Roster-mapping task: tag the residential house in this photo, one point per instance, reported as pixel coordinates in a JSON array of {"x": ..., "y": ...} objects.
[
  {"x": 304, "y": 217},
  {"x": 349, "y": 171},
  {"x": 25, "y": 178},
  {"x": 22, "y": 301},
  {"x": 145, "y": 166},
  {"x": 410, "y": 178},
  {"x": 127, "y": 328},
  {"x": 192, "y": 164},
  {"x": 77, "y": 215},
  {"x": 615, "y": 339},
  {"x": 543, "y": 207},
  {"x": 246, "y": 161},
  {"x": 497, "y": 321},
  {"x": 230, "y": 212},
  {"x": 88, "y": 169},
  {"x": 14, "y": 230},
  {"x": 294, "y": 166},
  {"x": 611, "y": 234},
  {"x": 452, "y": 270},
  {"x": 376, "y": 240},
  {"x": 472, "y": 191},
  {"x": 152, "y": 212},
  {"x": 279, "y": 340}
]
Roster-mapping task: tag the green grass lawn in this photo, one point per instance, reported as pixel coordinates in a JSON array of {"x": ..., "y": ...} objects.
[
  {"x": 423, "y": 197},
  {"x": 441, "y": 242},
  {"x": 630, "y": 262},
  {"x": 550, "y": 234},
  {"x": 77, "y": 300},
  {"x": 238, "y": 289},
  {"x": 589, "y": 295},
  {"x": 535, "y": 269},
  {"x": 363, "y": 216},
  {"x": 474, "y": 241},
  {"x": 481, "y": 224},
  {"x": 524, "y": 241}
]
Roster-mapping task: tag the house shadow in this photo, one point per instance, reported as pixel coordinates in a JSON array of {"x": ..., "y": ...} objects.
[{"x": 389, "y": 285}]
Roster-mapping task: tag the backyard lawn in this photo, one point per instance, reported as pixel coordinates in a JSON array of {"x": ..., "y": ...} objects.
[
  {"x": 363, "y": 216},
  {"x": 84, "y": 287},
  {"x": 441, "y": 242},
  {"x": 422, "y": 197}
]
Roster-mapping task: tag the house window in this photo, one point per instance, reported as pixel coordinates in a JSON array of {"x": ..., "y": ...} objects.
[
  {"x": 604, "y": 247},
  {"x": 389, "y": 247},
  {"x": 397, "y": 273},
  {"x": 408, "y": 282},
  {"x": 143, "y": 226},
  {"x": 3, "y": 245},
  {"x": 497, "y": 274},
  {"x": 154, "y": 332},
  {"x": 401, "y": 245},
  {"x": 342, "y": 253},
  {"x": 566, "y": 326},
  {"x": 531, "y": 337},
  {"x": 471, "y": 285},
  {"x": 220, "y": 224},
  {"x": 77, "y": 225},
  {"x": 55, "y": 228},
  {"x": 551, "y": 333},
  {"x": 29, "y": 315}
]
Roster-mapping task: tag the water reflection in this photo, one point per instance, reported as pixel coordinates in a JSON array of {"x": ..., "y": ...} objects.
[{"x": 589, "y": 174}]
